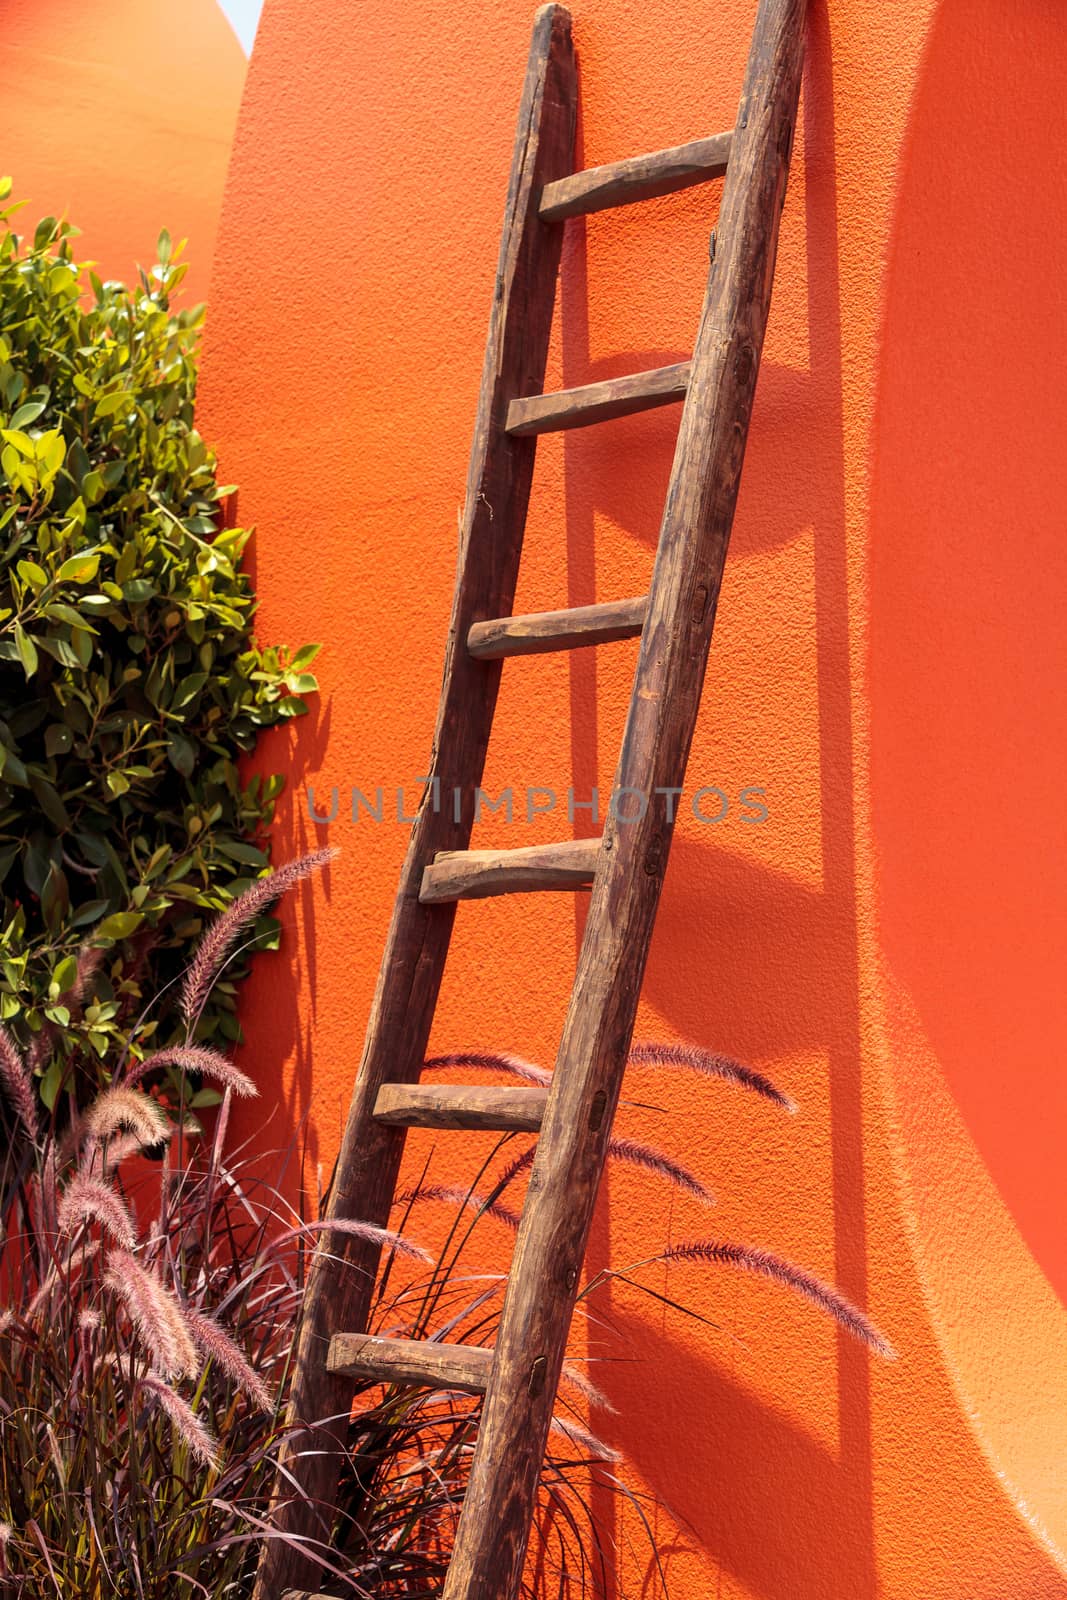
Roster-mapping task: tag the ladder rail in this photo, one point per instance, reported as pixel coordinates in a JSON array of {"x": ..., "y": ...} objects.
[
  {"x": 342, "y": 1269},
  {"x": 493, "y": 1531}
]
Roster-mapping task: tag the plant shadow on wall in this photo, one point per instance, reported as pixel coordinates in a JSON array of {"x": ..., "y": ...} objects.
[
  {"x": 147, "y": 1331},
  {"x": 130, "y": 680}
]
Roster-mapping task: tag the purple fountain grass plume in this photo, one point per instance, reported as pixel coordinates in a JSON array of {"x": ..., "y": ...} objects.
[
  {"x": 515, "y": 1167},
  {"x": 227, "y": 928},
  {"x": 491, "y": 1061},
  {"x": 196, "y": 1058},
  {"x": 18, "y": 1083},
  {"x": 458, "y": 1196},
  {"x": 585, "y": 1387},
  {"x": 222, "y": 1350},
  {"x": 155, "y": 1314},
  {"x": 582, "y": 1439},
  {"x": 752, "y": 1259},
  {"x": 7, "y": 1533},
  {"x": 650, "y": 1159},
  {"x": 384, "y": 1237},
  {"x": 86, "y": 1200},
  {"x": 127, "y": 1111},
  {"x": 90, "y": 959},
  {"x": 711, "y": 1065},
  {"x": 183, "y": 1419},
  {"x": 633, "y": 1154}
]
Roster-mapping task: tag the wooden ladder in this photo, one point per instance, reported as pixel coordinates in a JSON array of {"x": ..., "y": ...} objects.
[{"x": 625, "y": 866}]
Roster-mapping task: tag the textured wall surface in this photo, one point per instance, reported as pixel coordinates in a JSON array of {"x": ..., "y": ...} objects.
[
  {"x": 121, "y": 115},
  {"x": 888, "y": 666}
]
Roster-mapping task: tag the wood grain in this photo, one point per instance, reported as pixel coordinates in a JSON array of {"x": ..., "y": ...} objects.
[
  {"x": 623, "y": 183},
  {"x": 598, "y": 402},
  {"x": 489, "y": 1552},
  {"x": 539, "y": 631},
  {"x": 479, "y": 874},
  {"x": 342, "y": 1270},
  {"x": 438, "y": 1366},
  {"x": 432, "y": 1105}
]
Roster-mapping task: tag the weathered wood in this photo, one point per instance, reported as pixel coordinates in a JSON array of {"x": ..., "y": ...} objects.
[
  {"x": 623, "y": 183},
  {"x": 436, "y": 1105},
  {"x": 342, "y": 1270},
  {"x": 540, "y": 631},
  {"x": 438, "y": 1366},
  {"x": 598, "y": 402},
  {"x": 479, "y": 874},
  {"x": 491, "y": 1539}
]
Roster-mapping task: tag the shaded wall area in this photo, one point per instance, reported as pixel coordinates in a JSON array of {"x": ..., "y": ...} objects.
[{"x": 351, "y": 294}]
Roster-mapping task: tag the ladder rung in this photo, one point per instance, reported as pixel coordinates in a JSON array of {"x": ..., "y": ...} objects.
[
  {"x": 539, "y": 631},
  {"x": 622, "y": 183},
  {"x": 598, "y": 402},
  {"x": 477, "y": 874},
  {"x": 438, "y": 1366},
  {"x": 436, "y": 1105}
]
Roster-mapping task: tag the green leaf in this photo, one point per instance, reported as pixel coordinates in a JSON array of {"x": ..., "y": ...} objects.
[
  {"x": 49, "y": 802},
  {"x": 32, "y": 574},
  {"x": 188, "y": 689},
  {"x": 64, "y": 974},
  {"x": 88, "y": 913},
  {"x": 57, "y": 739},
  {"x": 109, "y": 404},
  {"x": 11, "y": 768},
  {"x": 50, "y": 1084},
  {"x": 304, "y": 657},
  {"x": 301, "y": 683},
  {"x": 80, "y": 568},
  {"x": 27, "y": 414},
  {"x": 238, "y": 850},
  {"x": 58, "y": 611},
  {"x": 120, "y": 925},
  {"x": 204, "y": 1098},
  {"x": 181, "y": 753},
  {"x": 19, "y": 441},
  {"x": 26, "y": 649},
  {"x": 51, "y": 451},
  {"x": 55, "y": 897},
  {"x": 292, "y": 707}
]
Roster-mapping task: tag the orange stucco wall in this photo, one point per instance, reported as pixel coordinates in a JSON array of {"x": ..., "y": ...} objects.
[
  {"x": 887, "y": 665},
  {"x": 120, "y": 115}
]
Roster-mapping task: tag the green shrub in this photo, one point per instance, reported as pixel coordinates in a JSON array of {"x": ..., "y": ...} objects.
[{"x": 130, "y": 683}]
